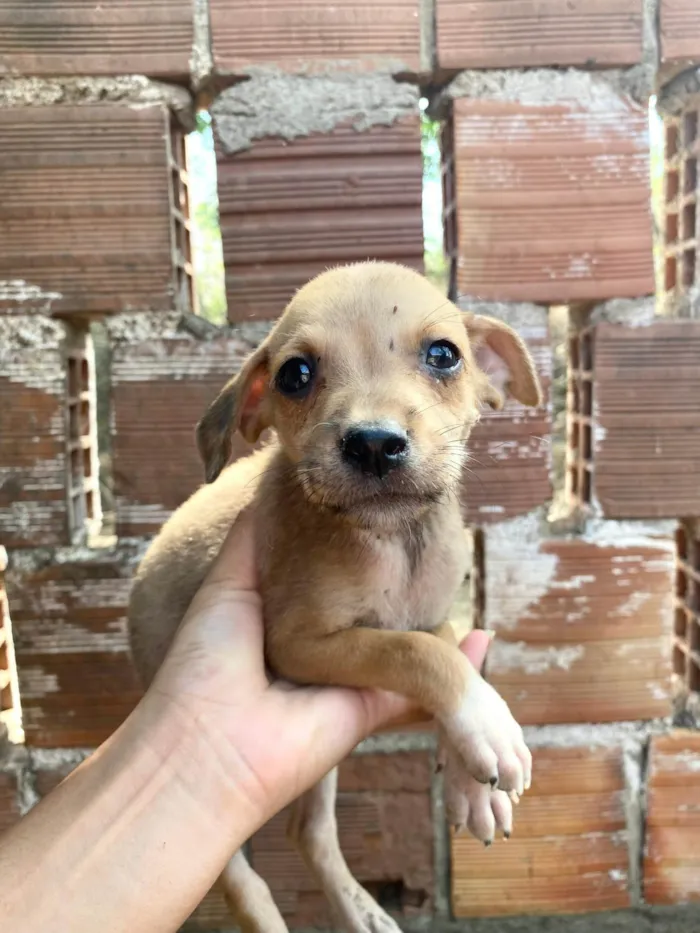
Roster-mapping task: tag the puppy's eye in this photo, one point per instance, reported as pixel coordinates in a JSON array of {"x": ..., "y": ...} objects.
[
  {"x": 442, "y": 355},
  {"x": 295, "y": 377}
]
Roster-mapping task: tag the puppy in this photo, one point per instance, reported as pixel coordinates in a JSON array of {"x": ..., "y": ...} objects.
[{"x": 371, "y": 381}]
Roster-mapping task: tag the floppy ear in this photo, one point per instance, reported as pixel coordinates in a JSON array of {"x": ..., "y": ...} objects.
[
  {"x": 502, "y": 355},
  {"x": 238, "y": 407}
]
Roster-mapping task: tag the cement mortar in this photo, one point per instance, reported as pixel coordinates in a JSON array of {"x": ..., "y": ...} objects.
[
  {"x": 276, "y": 105},
  {"x": 129, "y": 90},
  {"x": 201, "y": 61},
  {"x": 520, "y": 315},
  {"x": 632, "y": 312},
  {"x": 680, "y": 91},
  {"x": 600, "y": 91},
  {"x": 646, "y": 920},
  {"x": 681, "y": 307},
  {"x": 151, "y": 325},
  {"x": 28, "y": 332}
]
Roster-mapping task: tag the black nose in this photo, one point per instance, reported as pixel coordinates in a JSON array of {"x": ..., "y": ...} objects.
[{"x": 375, "y": 451}]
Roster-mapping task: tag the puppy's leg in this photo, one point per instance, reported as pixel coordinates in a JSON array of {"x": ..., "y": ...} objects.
[
  {"x": 249, "y": 898},
  {"x": 426, "y": 669},
  {"x": 313, "y": 829}
]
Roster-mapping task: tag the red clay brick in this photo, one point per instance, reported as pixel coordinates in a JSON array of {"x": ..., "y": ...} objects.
[
  {"x": 583, "y": 626},
  {"x": 635, "y": 432},
  {"x": 568, "y": 852},
  {"x": 490, "y": 34},
  {"x": 671, "y": 859},
  {"x": 289, "y": 210},
  {"x": 549, "y": 202},
  {"x": 117, "y": 38},
  {"x": 508, "y": 473},
  {"x": 681, "y": 273},
  {"x": 86, "y": 211},
  {"x": 68, "y": 609},
  {"x": 161, "y": 387},
  {"x": 680, "y": 31},
  {"x": 386, "y": 832},
  {"x": 299, "y": 35}
]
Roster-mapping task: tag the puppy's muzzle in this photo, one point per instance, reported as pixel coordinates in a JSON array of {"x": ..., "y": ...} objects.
[{"x": 373, "y": 450}]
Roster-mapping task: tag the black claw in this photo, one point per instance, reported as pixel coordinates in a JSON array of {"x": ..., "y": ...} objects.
[
  {"x": 439, "y": 767},
  {"x": 488, "y": 842},
  {"x": 506, "y": 834},
  {"x": 493, "y": 781}
]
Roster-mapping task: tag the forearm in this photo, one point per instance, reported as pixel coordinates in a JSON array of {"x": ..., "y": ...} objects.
[{"x": 134, "y": 838}]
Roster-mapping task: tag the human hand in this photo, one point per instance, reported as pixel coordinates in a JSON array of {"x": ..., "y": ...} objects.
[{"x": 275, "y": 740}]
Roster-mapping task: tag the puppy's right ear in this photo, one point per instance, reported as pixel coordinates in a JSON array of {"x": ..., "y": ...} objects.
[{"x": 240, "y": 406}]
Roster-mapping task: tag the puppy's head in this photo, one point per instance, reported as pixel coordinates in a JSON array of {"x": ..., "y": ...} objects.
[{"x": 372, "y": 381}]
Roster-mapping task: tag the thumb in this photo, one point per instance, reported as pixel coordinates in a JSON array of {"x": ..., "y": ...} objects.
[{"x": 235, "y": 567}]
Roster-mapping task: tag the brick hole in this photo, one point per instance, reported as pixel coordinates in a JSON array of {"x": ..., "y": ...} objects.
[
  {"x": 670, "y": 273},
  {"x": 680, "y": 622},
  {"x": 575, "y": 397},
  {"x": 671, "y": 228},
  {"x": 672, "y": 186},
  {"x": 681, "y": 543},
  {"x": 690, "y": 176},
  {"x": 688, "y": 226},
  {"x": 688, "y": 270},
  {"x": 478, "y": 578},
  {"x": 672, "y": 140},
  {"x": 586, "y": 487},
  {"x": 693, "y": 674},
  {"x": 587, "y": 398},
  {"x": 574, "y": 355},
  {"x": 587, "y": 442},
  {"x": 694, "y": 636},
  {"x": 574, "y": 482},
  {"x": 395, "y": 897},
  {"x": 690, "y": 128},
  {"x": 586, "y": 352},
  {"x": 681, "y": 583},
  {"x": 679, "y": 661}
]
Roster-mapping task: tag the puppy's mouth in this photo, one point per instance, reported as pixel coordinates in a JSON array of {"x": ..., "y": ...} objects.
[{"x": 356, "y": 496}]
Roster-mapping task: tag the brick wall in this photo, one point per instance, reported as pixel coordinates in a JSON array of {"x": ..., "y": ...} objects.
[
  {"x": 68, "y": 606},
  {"x": 633, "y": 414},
  {"x": 546, "y": 191},
  {"x": 111, "y": 39},
  {"x": 88, "y": 207},
  {"x": 549, "y": 201},
  {"x": 162, "y": 383},
  {"x": 290, "y": 209}
]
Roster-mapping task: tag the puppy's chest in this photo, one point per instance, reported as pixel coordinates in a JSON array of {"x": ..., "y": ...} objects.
[{"x": 412, "y": 582}]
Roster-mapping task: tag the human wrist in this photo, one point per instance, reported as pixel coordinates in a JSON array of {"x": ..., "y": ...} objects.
[{"x": 186, "y": 743}]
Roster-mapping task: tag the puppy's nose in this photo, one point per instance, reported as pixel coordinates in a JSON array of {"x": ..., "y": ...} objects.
[{"x": 374, "y": 450}]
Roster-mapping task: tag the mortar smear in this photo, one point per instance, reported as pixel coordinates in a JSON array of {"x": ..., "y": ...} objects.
[
  {"x": 277, "y": 105},
  {"x": 599, "y": 91}
]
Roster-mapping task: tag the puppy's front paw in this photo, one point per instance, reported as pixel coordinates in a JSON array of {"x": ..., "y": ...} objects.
[
  {"x": 474, "y": 806},
  {"x": 489, "y": 740}
]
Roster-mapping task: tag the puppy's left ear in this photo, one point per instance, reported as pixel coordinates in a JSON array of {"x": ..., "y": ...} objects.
[
  {"x": 240, "y": 406},
  {"x": 503, "y": 357}
]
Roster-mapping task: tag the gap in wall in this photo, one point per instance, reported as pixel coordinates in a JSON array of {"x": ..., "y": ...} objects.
[{"x": 207, "y": 249}]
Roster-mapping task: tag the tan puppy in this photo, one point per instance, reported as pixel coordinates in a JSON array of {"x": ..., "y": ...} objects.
[{"x": 372, "y": 381}]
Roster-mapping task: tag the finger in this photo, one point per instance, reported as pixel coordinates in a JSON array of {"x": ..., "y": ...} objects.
[
  {"x": 235, "y": 567},
  {"x": 475, "y": 646}
]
